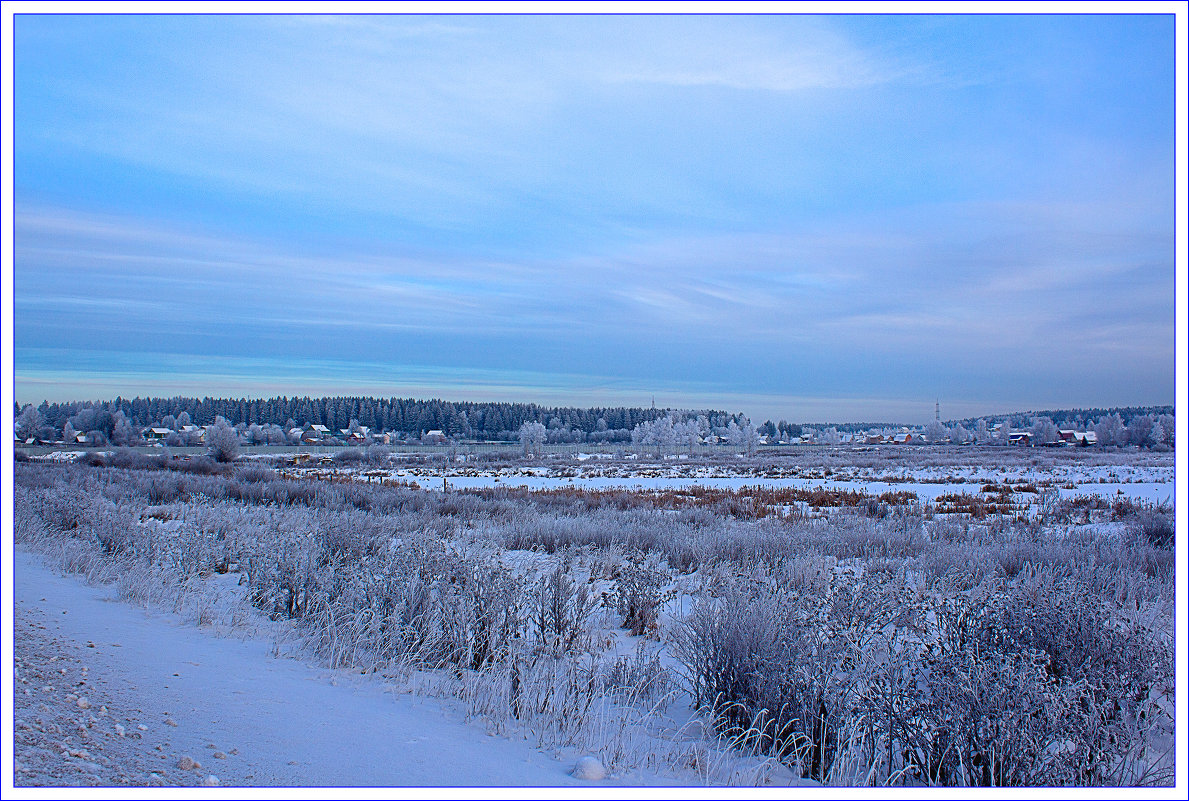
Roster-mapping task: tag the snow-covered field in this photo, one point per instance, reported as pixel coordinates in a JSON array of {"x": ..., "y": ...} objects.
[
  {"x": 352, "y": 623},
  {"x": 1138, "y": 477}
]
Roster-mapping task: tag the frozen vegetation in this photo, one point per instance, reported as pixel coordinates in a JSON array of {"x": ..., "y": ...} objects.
[{"x": 817, "y": 619}]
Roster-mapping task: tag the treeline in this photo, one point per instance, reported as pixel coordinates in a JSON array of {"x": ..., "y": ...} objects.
[
  {"x": 1078, "y": 419},
  {"x": 405, "y": 415}
]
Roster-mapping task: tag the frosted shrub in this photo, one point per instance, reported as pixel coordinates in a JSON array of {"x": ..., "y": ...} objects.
[
  {"x": 254, "y": 473},
  {"x": 877, "y": 679},
  {"x": 1156, "y": 526},
  {"x": 200, "y": 465},
  {"x": 558, "y": 609},
  {"x": 480, "y": 611},
  {"x": 640, "y": 592},
  {"x": 640, "y": 675},
  {"x": 348, "y": 456}
]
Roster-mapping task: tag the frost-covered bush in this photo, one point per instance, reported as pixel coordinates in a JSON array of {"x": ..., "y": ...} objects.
[
  {"x": 1156, "y": 527},
  {"x": 1027, "y": 681},
  {"x": 639, "y": 592},
  {"x": 481, "y": 611},
  {"x": 134, "y": 460},
  {"x": 200, "y": 465},
  {"x": 348, "y": 456},
  {"x": 558, "y": 610},
  {"x": 255, "y": 473},
  {"x": 639, "y": 675},
  {"x": 165, "y": 489}
]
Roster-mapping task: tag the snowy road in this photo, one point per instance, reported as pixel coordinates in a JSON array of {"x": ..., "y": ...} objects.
[{"x": 277, "y": 721}]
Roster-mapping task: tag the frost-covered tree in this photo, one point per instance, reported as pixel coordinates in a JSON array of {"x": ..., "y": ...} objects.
[
  {"x": 981, "y": 434},
  {"x": 830, "y": 436},
  {"x": 686, "y": 433},
  {"x": 221, "y": 441},
  {"x": 1043, "y": 431},
  {"x": 532, "y": 437},
  {"x": 122, "y": 431},
  {"x": 1140, "y": 431},
  {"x": 169, "y": 421},
  {"x": 184, "y": 419},
  {"x": 664, "y": 437},
  {"x": 936, "y": 432},
  {"x": 1110, "y": 430},
  {"x": 743, "y": 435},
  {"x": 959, "y": 434},
  {"x": 655, "y": 435},
  {"x": 29, "y": 421},
  {"x": 1168, "y": 424},
  {"x": 1157, "y": 434},
  {"x": 68, "y": 433}
]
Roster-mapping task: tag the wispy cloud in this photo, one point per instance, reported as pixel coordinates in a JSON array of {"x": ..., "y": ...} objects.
[
  {"x": 766, "y": 203},
  {"x": 803, "y": 54}
]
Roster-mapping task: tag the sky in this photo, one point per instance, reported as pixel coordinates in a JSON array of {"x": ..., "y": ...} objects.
[{"x": 807, "y": 217}]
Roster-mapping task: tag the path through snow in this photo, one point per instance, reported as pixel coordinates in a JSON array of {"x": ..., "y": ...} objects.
[{"x": 275, "y": 722}]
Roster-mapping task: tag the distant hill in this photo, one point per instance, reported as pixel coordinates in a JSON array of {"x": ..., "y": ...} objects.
[
  {"x": 1066, "y": 418},
  {"x": 853, "y": 427}
]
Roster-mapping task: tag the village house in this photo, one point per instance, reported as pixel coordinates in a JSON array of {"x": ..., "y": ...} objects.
[
  {"x": 315, "y": 434},
  {"x": 353, "y": 437}
]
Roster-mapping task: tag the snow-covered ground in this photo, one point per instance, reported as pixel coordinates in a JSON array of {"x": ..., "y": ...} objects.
[
  {"x": 166, "y": 693},
  {"x": 1150, "y": 483},
  {"x": 247, "y": 717}
]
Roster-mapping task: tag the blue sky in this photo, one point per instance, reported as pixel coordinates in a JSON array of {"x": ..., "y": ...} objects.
[{"x": 803, "y": 217}]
